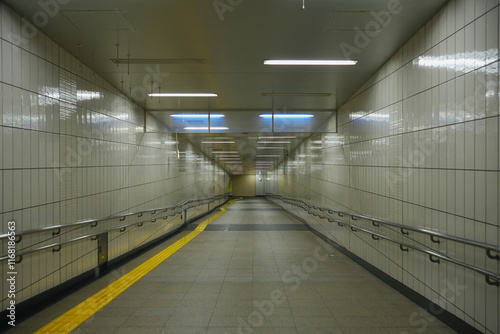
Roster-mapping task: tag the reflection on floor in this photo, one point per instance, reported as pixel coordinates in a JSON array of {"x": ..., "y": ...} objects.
[{"x": 253, "y": 270}]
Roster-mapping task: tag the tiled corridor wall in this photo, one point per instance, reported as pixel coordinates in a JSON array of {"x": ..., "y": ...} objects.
[
  {"x": 418, "y": 144},
  {"x": 73, "y": 148}
]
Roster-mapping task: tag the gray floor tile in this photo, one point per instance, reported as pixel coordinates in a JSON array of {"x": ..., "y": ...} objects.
[
  {"x": 315, "y": 321},
  {"x": 310, "y": 311},
  {"x": 183, "y": 330},
  {"x": 94, "y": 330},
  {"x": 189, "y": 321},
  {"x": 227, "y": 321},
  {"x": 104, "y": 321},
  {"x": 139, "y": 329},
  {"x": 224, "y": 281},
  {"x": 319, "y": 330},
  {"x": 356, "y": 321},
  {"x": 189, "y": 311},
  {"x": 197, "y": 303},
  {"x": 154, "y": 311},
  {"x": 146, "y": 321},
  {"x": 226, "y": 330}
]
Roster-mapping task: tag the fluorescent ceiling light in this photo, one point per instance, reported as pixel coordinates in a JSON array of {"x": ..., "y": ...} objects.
[
  {"x": 278, "y": 137},
  {"x": 268, "y": 155},
  {"x": 218, "y": 142},
  {"x": 197, "y": 116},
  {"x": 273, "y": 142},
  {"x": 264, "y": 162},
  {"x": 297, "y": 94},
  {"x": 228, "y": 156},
  {"x": 270, "y": 148},
  {"x": 308, "y": 62},
  {"x": 230, "y": 159},
  {"x": 183, "y": 95},
  {"x": 286, "y": 115},
  {"x": 159, "y": 61},
  {"x": 206, "y": 128},
  {"x": 223, "y": 152}
]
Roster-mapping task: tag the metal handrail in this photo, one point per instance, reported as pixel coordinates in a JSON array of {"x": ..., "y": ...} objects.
[
  {"x": 121, "y": 227},
  {"x": 400, "y": 226},
  {"x": 123, "y": 216},
  {"x": 491, "y": 277},
  {"x": 19, "y": 255}
]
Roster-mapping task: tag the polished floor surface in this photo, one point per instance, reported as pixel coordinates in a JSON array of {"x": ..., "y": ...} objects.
[{"x": 255, "y": 269}]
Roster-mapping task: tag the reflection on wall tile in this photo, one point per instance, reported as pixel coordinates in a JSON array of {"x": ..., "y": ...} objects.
[
  {"x": 425, "y": 156},
  {"x": 73, "y": 148}
]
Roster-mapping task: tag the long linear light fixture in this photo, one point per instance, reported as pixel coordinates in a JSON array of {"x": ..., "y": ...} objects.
[
  {"x": 197, "y": 116},
  {"x": 218, "y": 142},
  {"x": 223, "y": 152},
  {"x": 308, "y": 62},
  {"x": 268, "y": 155},
  {"x": 270, "y": 148},
  {"x": 273, "y": 142},
  {"x": 159, "y": 61},
  {"x": 278, "y": 137},
  {"x": 286, "y": 115},
  {"x": 183, "y": 95},
  {"x": 212, "y": 128},
  {"x": 297, "y": 94}
]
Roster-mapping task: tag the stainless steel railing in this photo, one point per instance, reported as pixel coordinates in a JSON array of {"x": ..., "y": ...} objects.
[
  {"x": 492, "y": 251},
  {"x": 173, "y": 210}
]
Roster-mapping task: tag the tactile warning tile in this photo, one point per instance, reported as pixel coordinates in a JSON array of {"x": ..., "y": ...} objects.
[{"x": 78, "y": 314}]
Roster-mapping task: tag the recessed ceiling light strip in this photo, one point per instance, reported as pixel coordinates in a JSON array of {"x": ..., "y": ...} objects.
[
  {"x": 313, "y": 62},
  {"x": 275, "y": 115},
  {"x": 197, "y": 115},
  {"x": 278, "y": 137},
  {"x": 218, "y": 142},
  {"x": 270, "y": 148},
  {"x": 273, "y": 142},
  {"x": 184, "y": 94},
  {"x": 213, "y": 128}
]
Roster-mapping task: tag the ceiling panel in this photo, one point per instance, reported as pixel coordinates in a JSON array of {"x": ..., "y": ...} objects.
[{"x": 234, "y": 43}]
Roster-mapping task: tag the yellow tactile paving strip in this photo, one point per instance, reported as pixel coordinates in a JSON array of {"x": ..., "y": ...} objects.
[{"x": 78, "y": 314}]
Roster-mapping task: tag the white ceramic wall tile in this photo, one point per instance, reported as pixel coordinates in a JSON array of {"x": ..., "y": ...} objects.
[
  {"x": 7, "y": 148},
  {"x": 52, "y": 174},
  {"x": 453, "y": 171}
]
